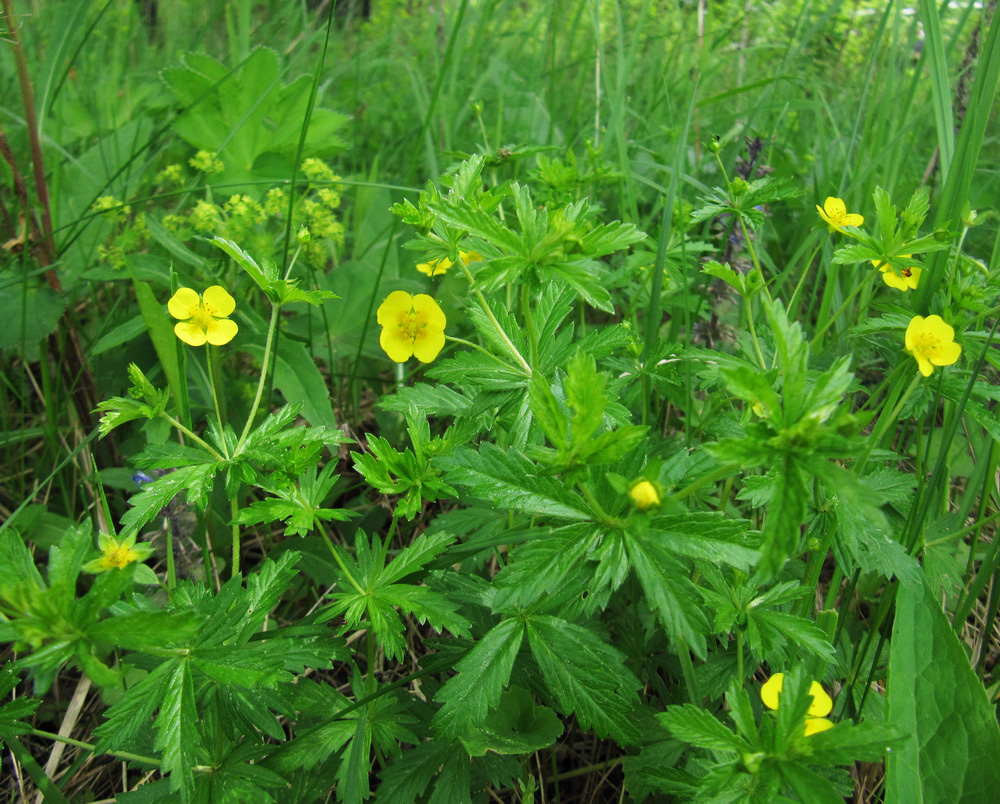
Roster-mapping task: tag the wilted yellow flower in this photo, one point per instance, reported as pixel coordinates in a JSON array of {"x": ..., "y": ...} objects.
[
  {"x": 117, "y": 554},
  {"x": 435, "y": 267},
  {"x": 203, "y": 318},
  {"x": 644, "y": 495},
  {"x": 835, "y": 213},
  {"x": 932, "y": 342},
  {"x": 821, "y": 704},
  {"x": 411, "y": 326},
  {"x": 441, "y": 266},
  {"x": 905, "y": 279}
]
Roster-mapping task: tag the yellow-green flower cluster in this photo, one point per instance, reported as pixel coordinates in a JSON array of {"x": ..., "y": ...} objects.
[
  {"x": 318, "y": 171},
  {"x": 205, "y": 217},
  {"x": 207, "y": 162},
  {"x": 171, "y": 174}
]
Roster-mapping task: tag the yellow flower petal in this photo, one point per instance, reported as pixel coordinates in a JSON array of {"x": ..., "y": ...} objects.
[
  {"x": 644, "y": 495},
  {"x": 894, "y": 280},
  {"x": 852, "y": 219},
  {"x": 218, "y": 302},
  {"x": 936, "y": 325},
  {"x": 470, "y": 256},
  {"x": 814, "y": 725},
  {"x": 835, "y": 207},
  {"x": 946, "y": 354},
  {"x": 428, "y": 344},
  {"x": 925, "y": 366},
  {"x": 184, "y": 303},
  {"x": 220, "y": 331},
  {"x": 916, "y": 323},
  {"x": 821, "y": 704},
  {"x": 397, "y": 302},
  {"x": 427, "y": 309},
  {"x": 191, "y": 334},
  {"x": 771, "y": 690},
  {"x": 399, "y": 348}
]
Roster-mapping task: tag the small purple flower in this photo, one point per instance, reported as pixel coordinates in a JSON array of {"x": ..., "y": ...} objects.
[{"x": 141, "y": 477}]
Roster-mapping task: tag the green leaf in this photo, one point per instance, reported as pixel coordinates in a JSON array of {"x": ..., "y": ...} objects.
[
  {"x": 246, "y": 262},
  {"x": 405, "y": 780},
  {"x": 692, "y": 724},
  {"x": 177, "y": 731},
  {"x": 669, "y": 591},
  {"x": 516, "y": 726},
  {"x": 16, "y": 710},
  {"x": 482, "y": 674},
  {"x": 587, "y": 676},
  {"x": 809, "y": 785},
  {"x": 785, "y": 514},
  {"x": 161, "y": 332},
  {"x": 508, "y": 480},
  {"x": 935, "y": 697},
  {"x": 146, "y": 629},
  {"x": 195, "y": 480}
]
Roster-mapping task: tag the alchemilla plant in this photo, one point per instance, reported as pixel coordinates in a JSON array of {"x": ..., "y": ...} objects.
[{"x": 513, "y": 437}]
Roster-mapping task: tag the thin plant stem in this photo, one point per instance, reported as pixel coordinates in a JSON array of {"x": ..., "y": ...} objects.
[
  {"x": 268, "y": 345},
  {"x": 48, "y": 735},
  {"x": 493, "y": 319},
  {"x": 197, "y": 439},
  {"x": 233, "y": 511}
]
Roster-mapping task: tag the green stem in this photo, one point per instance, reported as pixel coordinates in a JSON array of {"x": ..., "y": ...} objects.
[
  {"x": 479, "y": 348},
  {"x": 234, "y": 510},
  {"x": 212, "y": 356},
  {"x": 884, "y": 422},
  {"x": 197, "y": 440},
  {"x": 340, "y": 563},
  {"x": 705, "y": 479},
  {"x": 271, "y": 327},
  {"x": 831, "y": 320},
  {"x": 500, "y": 331},
  {"x": 739, "y": 655},
  {"x": 93, "y": 749}
]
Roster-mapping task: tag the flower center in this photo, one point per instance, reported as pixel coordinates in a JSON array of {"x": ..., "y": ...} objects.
[
  {"x": 927, "y": 342},
  {"x": 411, "y": 326},
  {"x": 202, "y": 317},
  {"x": 119, "y": 557}
]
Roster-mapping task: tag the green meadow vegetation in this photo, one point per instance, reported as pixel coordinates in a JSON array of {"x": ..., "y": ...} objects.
[{"x": 494, "y": 401}]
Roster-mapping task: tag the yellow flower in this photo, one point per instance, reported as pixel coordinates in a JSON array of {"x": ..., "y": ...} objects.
[
  {"x": 117, "y": 554},
  {"x": 821, "y": 704},
  {"x": 411, "y": 326},
  {"x": 435, "y": 267},
  {"x": 441, "y": 266},
  {"x": 759, "y": 409},
  {"x": 904, "y": 280},
  {"x": 931, "y": 342},
  {"x": 644, "y": 495},
  {"x": 203, "y": 318},
  {"x": 835, "y": 213}
]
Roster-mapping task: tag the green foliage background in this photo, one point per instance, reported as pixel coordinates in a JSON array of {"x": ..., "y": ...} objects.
[{"x": 431, "y": 583}]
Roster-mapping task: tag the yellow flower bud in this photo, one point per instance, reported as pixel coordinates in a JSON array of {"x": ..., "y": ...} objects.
[{"x": 644, "y": 495}]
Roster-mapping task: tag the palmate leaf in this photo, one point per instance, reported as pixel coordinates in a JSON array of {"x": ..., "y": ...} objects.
[
  {"x": 125, "y": 718},
  {"x": 196, "y": 481},
  {"x": 482, "y": 674},
  {"x": 692, "y": 724},
  {"x": 785, "y": 514},
  {"x": 507, "y": 480},
  {"x": 177, "y": 731},
  {"x": 406, "y": 779},
  {"x": 587, "y": 677},
  {"x": 13, "y": 711},
  {"x": 669, "y": 591},
  {"x": 709, "y": 535}
]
